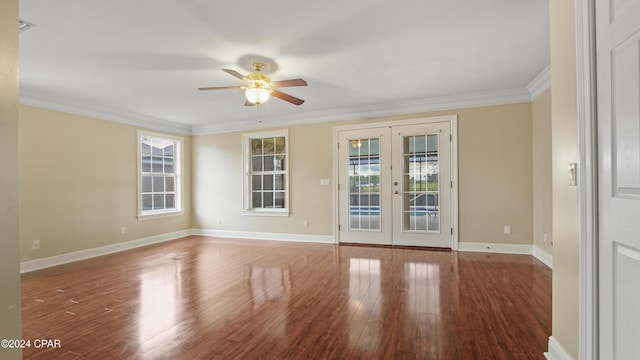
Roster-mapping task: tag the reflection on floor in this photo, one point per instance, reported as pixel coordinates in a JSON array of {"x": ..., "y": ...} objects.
[{"x": 206, "y": 298}]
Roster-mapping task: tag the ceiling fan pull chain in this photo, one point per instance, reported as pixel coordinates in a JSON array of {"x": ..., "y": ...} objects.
[{"x": 258, "y": 111}]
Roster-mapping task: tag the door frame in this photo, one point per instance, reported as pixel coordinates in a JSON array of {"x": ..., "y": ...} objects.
[
  {"x": 453, "y": 127},
  {"x": 587, "y": 133}
]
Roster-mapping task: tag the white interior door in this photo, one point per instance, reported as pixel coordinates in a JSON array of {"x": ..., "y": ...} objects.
[
  {"x": 394, "y": 185},
  {"x": 618, "y": 93}
]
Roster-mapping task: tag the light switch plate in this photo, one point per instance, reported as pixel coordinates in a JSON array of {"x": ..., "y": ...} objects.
[{"x": 573, "y": 168}]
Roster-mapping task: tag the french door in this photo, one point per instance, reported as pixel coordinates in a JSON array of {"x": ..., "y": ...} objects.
[{"x": 395, "y": 185}]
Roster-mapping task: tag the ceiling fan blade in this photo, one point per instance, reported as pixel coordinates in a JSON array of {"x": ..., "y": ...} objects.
[
  {"x": 220, "y": 87},
  {"x": 248, "y": 103},
  {"x": 288, "y": 83},
  {"x": 286, "y": 97},
  {"x": 234, "y": 73}
]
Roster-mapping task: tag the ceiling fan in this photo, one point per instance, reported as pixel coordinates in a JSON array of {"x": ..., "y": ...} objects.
[{"x": 258, "y": 87}]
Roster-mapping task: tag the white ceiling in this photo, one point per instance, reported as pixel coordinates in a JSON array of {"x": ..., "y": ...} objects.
[{"x": 141, "y": 61}]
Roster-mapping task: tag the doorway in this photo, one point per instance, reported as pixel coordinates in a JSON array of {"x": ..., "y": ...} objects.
[{"x": 395, "y": 183}]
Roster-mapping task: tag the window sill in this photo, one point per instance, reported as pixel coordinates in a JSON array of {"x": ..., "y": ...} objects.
[
  {"x": 265, "y": 213},
  {"x": 143, "y": 217}
]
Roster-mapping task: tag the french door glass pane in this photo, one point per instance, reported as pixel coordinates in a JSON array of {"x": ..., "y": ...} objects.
[
  {"x": 364, "y": 184},
  {"x": 421, "y": 211}
]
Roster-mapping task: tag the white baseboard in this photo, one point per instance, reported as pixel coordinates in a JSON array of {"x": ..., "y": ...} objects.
[
  {"x": 324, "y": 239},
  {"x": 556, "y": 351},
  {"x": 496, "y": 248},
  {"x": 37, "y": 264},
  {"x": 543, "y": 256}
]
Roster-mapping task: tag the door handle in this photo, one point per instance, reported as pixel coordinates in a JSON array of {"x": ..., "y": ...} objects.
[{"x": 395, "y": 183}]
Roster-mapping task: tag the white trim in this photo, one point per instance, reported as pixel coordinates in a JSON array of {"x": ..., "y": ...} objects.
[
  {"x": 37, "y": 264},
  {"x": 454, "y": 180},
  {"x": 496, "y": 248},
  {"x": 543, "y": 256},
  {"x": 500, "y": 97},
  {"x": 588, "y": 339},
  {"x": 303, "y": 238},
  {"x": 556, "y": 351},
  {"x": 246, "y": 173},
  {"x": 408, "y": 107},
  {"x": 263, "y": 212},
  {"x": 178, "y": 142},
  {"x": 540, "y": 84},
  {"x": 159, "y": 215},
  {"x": 112, "y": 115}
]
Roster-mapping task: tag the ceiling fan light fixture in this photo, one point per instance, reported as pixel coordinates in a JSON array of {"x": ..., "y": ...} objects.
[{"x": 257, "y": 95}]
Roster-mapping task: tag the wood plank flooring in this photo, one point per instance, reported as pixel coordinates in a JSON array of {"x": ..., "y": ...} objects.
[{"x": 206, "y": 298}]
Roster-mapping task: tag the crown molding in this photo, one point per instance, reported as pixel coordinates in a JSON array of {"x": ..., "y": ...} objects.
[
  {"x": 105, "y": 114},
  {"x": 399, "y": 108},
  {"x": 500, "y": 97},
  {"x": 540, "y": 84}
]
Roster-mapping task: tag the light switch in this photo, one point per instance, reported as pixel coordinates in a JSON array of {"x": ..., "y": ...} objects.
[
  {"x": 324, "y": 182},
  {"x": 573, "y": 174}
]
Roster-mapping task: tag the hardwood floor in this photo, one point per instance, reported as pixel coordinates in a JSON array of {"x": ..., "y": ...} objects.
[{"x": 206, "y": 298}]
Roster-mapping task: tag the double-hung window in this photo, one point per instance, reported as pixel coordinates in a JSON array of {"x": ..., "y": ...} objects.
[
  {"x": 266, "y": 169},
  {"x": 159, "y": 175}
]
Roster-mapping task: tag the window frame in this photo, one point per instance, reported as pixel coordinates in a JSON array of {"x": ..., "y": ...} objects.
[
  {"x": 247, "y": 208},
  {"x": 179, "y": 183}
]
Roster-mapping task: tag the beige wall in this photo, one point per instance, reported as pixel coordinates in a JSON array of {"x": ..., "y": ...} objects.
[
  {"x": 217, "y": 183},
  {"x": 10, "y": 308},
  {"x": 564, "y": 152},
  {"x": 78, "y": 184},
  {"x": 70, "y": 162},
  {"x": 542, "y": 177},
  {"x": 495, "y": 170}
]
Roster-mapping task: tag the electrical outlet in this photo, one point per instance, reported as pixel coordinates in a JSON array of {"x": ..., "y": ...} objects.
[
  {"x": 507, "y": 230},
  {"x": 35, "y": 245},
  {"x": 219, "y": 221},
  {"x": 305, "y": 223},
  {"x": 123, "y": 230},
  {"x": 546, "y": 238}
]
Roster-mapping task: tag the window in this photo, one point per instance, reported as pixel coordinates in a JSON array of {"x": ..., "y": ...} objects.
[
  {"x": 266, "y": 182},
  {"x": 159, "y": 170}
]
